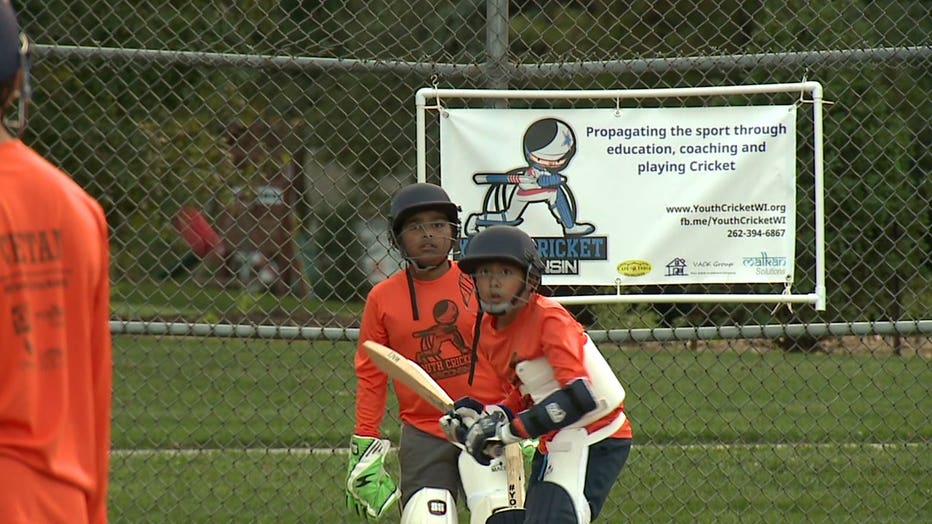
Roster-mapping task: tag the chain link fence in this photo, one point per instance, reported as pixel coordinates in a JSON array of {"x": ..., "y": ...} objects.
[{"x": 246, "y": 152}]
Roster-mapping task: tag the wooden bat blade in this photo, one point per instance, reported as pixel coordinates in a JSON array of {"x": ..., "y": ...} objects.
[
  {"x": 409, "y": 373},
  {"x": 514, "y": 471}
]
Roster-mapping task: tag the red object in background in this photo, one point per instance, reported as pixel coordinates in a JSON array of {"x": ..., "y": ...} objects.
[{"x": 196, "y": 231}]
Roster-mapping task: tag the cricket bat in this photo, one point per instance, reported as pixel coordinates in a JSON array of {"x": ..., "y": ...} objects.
[
  {"x": 514, "y": 470},
  {"x": 502, "y": 178},
  {"x": 513, "y": 458},
  {"x": 410, "y": 374}
]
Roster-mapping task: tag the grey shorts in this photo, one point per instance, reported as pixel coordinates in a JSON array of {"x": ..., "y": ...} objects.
[{"x": 427, "y": 462}]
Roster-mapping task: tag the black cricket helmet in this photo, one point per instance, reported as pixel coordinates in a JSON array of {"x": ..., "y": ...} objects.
[
  {"x": 502, "y": 244},
  {"x": 11, "y": 55},
  {"x": 14, "y": 58},
  {"x": 506, "y": 244},
  {"x": 422, "y": 197}
]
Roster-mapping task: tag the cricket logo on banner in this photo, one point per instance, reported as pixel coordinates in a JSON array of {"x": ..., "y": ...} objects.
[
  {"x": 632, "y": 196},
  {"x": 548, "y": 145}
]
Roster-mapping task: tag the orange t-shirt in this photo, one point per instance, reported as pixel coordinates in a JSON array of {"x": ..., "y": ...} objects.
[
  {"x": 543, "y": 328},
  {"x": 440, "y": 342},
  {"x": 55, "y": 348}
]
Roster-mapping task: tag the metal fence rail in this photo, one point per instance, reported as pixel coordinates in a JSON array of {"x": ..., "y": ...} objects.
[
  {"x": 902, "y": 328},
  {"x": 285, "y": 126}
]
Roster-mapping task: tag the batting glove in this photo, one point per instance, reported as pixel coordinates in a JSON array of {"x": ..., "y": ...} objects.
[
  {"x": 370, "y": 491},
  {"x": 550, "y": 180},
  {"x": 456, "y": 422},
  {"x": 488, "y": 436}
]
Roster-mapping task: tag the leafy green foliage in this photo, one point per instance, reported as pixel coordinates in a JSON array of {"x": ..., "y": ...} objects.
[{"x": 146, "y": 135}]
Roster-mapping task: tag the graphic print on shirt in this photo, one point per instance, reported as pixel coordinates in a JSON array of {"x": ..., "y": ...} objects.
[
  {"x": 28, "y": 262},
  {"x": 443, "y": 333},
  {"x": 467, "y": 287},
  {"x": 19, "y": 314}
]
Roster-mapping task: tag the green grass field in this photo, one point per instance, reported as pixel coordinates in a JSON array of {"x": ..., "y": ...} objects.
[{"x": 232, "y": 430}]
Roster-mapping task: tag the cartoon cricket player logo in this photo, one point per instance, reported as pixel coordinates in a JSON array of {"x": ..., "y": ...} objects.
[
  {"x": 549, "y": 145},
  {"x": 443, "y": 331}
]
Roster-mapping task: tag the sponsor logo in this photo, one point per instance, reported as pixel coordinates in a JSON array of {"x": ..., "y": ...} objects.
[
  {"x": 677, "y": 268},
  {"x": 634, "y": 268},
  {"x": 763, "y": 260},
  {"x": 555, "y": 412},
  {"x": 363, "y": 480},
  {"x": 766, "y": 265},
  {"x": 713, "y": 267},
  {"x": 437, "y": 507},
  {"x": 713, "y": 263}
]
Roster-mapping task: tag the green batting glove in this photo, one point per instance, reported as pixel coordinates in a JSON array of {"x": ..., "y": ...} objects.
[
  {"x": 370, "y": 491},
  {"x": 528, "y": 447}
]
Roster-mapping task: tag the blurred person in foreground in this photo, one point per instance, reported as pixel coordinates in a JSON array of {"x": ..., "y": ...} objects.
[
  {"x": 55, "y": 348},
  {"x": 426, "y": 312}
]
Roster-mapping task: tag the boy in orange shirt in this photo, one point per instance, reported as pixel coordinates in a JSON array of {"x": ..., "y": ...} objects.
[
  {"x": 561, "y": 388},
  {"x": 55, "y": 354},
  {"x": 426, "y": 313}
]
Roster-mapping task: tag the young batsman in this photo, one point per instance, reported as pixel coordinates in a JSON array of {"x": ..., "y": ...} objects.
[
  {"x": 561, "y": 388},
  {"x": 426, "y": 314},
  {"x": 55, "y": 353}
]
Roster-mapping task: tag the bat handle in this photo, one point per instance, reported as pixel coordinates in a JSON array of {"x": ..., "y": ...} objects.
[{"x": 494, "y": 448}]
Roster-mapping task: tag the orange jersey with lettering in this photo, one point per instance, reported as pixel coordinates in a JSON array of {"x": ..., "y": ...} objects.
[
  {"x": 440, "y": 341},
  {"x": 55, "y": 348},
  {"x": 543, "y": 328}
]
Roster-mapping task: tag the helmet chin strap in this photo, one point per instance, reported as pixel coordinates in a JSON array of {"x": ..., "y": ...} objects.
[
  {"x": 417, "y": 267},
  {"x": 497, "y": 310},
  {"x": 415, "y": 264},
  {"x": 16, "y": 123}
]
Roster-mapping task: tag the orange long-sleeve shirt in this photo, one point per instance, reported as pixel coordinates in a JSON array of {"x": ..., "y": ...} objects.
[
  {"x": 55, "y": 347},
  {"x": 543, "y": 328},
  {"x": 440, "y": 341}
]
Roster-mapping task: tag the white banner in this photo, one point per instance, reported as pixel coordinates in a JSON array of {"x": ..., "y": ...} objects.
[{"x": 633, "y": 196}]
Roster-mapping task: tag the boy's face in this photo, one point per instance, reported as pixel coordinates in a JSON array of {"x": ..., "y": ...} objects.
[
  {"x": 427, "y": 237},
  {"x": 498, "y": 283}
]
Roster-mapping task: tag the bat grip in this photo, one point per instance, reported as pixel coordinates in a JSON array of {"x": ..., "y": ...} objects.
[{"x": 494, "y": 448}]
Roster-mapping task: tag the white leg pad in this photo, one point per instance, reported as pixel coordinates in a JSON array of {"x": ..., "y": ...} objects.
[
  {"x": 485, "y": 487},
  {"x": 430, "y": 506},
  {"x": 567, "y": 460}
]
